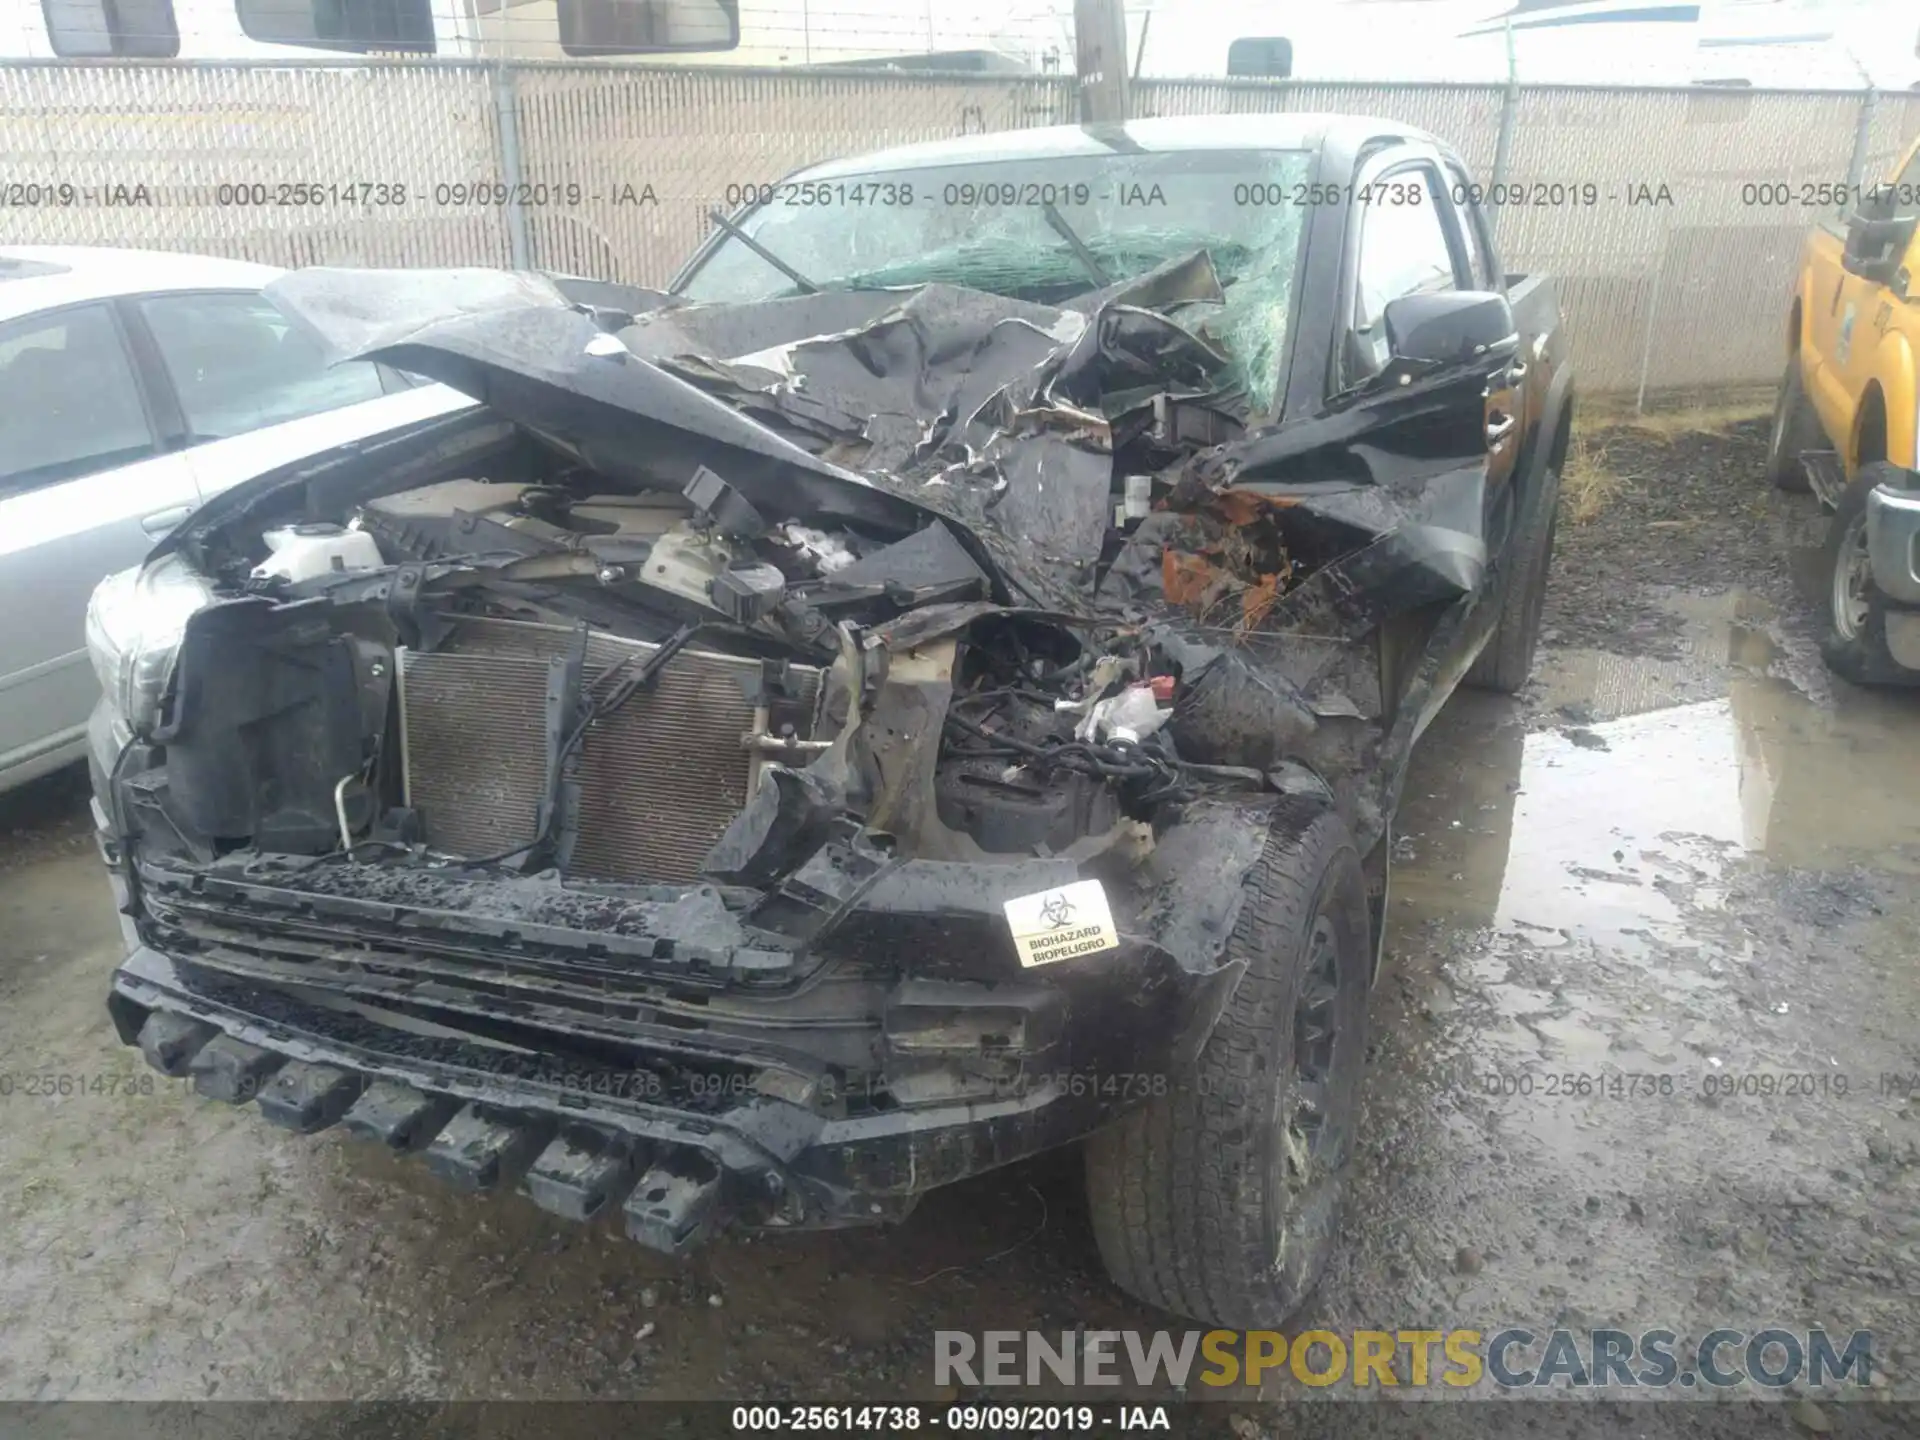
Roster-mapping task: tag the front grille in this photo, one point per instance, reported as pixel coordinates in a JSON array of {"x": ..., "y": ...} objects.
[{"x": 660, "y": 778}]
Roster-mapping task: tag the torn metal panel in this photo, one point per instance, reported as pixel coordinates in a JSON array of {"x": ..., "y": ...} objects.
[
  {"x": 549, "y": 367},
  {"x": 746, "y": 330},
  {"x": 996, "y": 412},
  {"x": 1058, "y": 495},
  {"x": 354, "y": 312}
]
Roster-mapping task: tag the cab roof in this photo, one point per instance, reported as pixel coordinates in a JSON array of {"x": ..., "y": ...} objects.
[{"x": 1287, "y": 131}]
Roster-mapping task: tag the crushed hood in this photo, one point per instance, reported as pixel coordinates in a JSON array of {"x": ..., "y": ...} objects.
[{"x": 1029, "y": 427}]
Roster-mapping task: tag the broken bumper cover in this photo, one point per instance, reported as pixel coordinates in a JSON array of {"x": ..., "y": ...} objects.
[
  {"x": 576, "y": 1080},
  {"x": 581, "y": 1143}
]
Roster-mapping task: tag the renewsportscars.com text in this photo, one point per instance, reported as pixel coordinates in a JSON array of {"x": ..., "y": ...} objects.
[{"x": 1511, "y": 1358}]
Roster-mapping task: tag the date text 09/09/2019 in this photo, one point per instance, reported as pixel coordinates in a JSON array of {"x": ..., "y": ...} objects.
[
  {"x": 452, "y": 194},
  {"x": 958, "y": 1419},
  {"x": 1710, "y": 1085}
]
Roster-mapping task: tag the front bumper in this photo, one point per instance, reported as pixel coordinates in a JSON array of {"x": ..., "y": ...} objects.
[
  {"x": 760, "y": 1121},
  {"x": 1893, "y": 528},
  {"x": 578, "y": 1144}
]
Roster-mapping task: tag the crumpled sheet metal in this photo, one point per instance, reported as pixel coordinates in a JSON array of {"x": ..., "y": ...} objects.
[
  {"x": 1229, "y": 565},
  {"x": 877, "y": 409},
  {"x": 355, "y": 312},
  {"x": 540, "y": 361}
]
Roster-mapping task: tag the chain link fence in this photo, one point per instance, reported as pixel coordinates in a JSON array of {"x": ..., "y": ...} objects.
[{"x": 1672, "y": 218}]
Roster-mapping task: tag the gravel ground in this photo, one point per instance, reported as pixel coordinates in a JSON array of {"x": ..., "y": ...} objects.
[
  {"x": 1683, "y": 853},
  {"x": 1692, "y": 517}
]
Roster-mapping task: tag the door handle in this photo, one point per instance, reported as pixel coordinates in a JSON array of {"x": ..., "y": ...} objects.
[
  {"x": 161, "y": 521},
  {"x": 1498, "y": 430}
]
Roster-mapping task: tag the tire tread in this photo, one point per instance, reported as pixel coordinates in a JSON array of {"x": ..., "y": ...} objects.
[
  {"x": 1865, "y": 660},
  {"x": 1176, "y": 1185}
]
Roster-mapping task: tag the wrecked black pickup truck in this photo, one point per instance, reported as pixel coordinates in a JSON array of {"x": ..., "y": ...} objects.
[{"x": 931, "y": 686}]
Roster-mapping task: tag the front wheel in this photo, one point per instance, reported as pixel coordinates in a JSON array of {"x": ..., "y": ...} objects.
[
  {"x": 1220, "y": 1200},
  {"x": 1854, "y": 633}
]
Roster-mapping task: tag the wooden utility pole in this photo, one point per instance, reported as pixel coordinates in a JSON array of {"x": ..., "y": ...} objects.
[{"x": 1100, "y": 45}]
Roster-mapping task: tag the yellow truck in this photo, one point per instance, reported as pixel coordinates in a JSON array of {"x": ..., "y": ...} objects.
[{"x": 1847, "y": 423}]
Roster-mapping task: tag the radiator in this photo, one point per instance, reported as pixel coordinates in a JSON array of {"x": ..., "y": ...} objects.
[{"x": 660, "y": 778}]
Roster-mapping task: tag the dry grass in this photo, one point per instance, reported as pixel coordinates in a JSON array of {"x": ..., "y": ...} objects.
[
  {"x": 1588, "y": 484},
  {"x": 1702, "y": 416},
  {"x": 1703, "y": 420}
]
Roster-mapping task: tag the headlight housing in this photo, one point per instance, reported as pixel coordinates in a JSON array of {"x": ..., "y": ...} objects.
[{"x": 135, "y": 623}]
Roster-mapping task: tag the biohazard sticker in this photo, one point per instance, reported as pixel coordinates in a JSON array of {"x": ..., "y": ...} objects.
[{"x": 1060, "y": 924}]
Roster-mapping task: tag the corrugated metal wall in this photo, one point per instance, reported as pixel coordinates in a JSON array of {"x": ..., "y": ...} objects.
[{"x": 1674, "y": 266}]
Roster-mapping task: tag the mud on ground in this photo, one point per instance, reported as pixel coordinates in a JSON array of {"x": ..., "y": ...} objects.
[{"x": 1683, "y": 853}]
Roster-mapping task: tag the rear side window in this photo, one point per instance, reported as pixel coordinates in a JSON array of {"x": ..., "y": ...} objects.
[
  {"x": 237, "y": 364},
  {"x": 69, "y": 404},
  {"x": 97, "y": 29},
  {"x": 403, "y": 26}
]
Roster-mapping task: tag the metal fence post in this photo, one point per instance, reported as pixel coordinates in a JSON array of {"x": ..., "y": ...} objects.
[
  {"x": 1503, "y": 145},
  {"x": 1653, "y": 319},
  {"x": 1862, "y": 142},
  {"x": 507, "y": 118}
]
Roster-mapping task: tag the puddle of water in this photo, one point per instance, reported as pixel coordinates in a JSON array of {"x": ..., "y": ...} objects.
[
  {"x": 1822, "y": 789},
  {"x": 1595, "y": 832},
  {"x": 1613, "y": 832}
]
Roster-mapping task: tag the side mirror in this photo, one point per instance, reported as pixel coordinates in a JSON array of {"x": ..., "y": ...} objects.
[
  {"x": 1453, "y": 327},
  {"x": 1878, "y": 236}
]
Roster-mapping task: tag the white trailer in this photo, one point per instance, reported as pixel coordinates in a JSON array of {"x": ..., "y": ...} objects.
[
  {"x": 918, "y": 34},
  {"x": 1815, "y": 44}
]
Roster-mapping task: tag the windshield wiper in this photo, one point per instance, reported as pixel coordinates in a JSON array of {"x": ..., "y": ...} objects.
[
  {"x": 807, "y": 287},
  {"x": 1079, "y": 247}
]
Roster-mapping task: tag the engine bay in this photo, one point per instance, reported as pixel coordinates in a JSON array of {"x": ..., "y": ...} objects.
[{"x": 531, "y": 675}]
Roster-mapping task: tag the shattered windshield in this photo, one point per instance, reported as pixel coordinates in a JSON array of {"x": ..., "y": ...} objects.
[{"x": 998, "y": 226}]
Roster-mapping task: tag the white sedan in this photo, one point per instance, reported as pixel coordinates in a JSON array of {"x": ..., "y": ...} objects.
[{"x": 133, "y": 386}]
